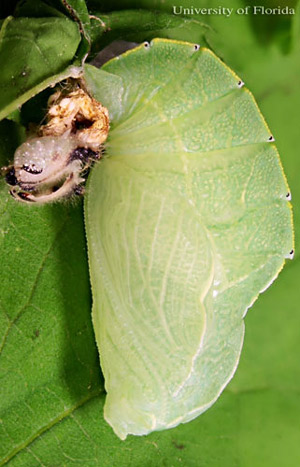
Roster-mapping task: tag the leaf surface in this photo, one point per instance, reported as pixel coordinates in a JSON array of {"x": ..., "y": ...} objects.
[
  {"x": 74, "y": 9},
  {"x": 49, "y": 365},
  {"x": 34, "y": 51}
]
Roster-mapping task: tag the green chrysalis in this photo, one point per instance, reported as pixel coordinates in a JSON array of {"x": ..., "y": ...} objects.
[{"x": 188, "y": 220}]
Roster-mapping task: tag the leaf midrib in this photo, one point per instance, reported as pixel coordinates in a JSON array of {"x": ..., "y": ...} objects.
[{"x": 51, "y": 424}]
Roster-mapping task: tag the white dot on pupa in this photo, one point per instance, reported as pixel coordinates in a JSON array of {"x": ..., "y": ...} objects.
[{"x": 288, "y": 196}]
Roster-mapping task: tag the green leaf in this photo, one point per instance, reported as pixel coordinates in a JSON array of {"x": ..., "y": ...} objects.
[
  {"x": 187, "y": 221},
  {"x": 36, "y": 53},
  {"x": 78, "y": 11},
  {"x": 49, "y": 366},
  {"x": 74, "y": 9},
  {"x": 41, "y": 9}
]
